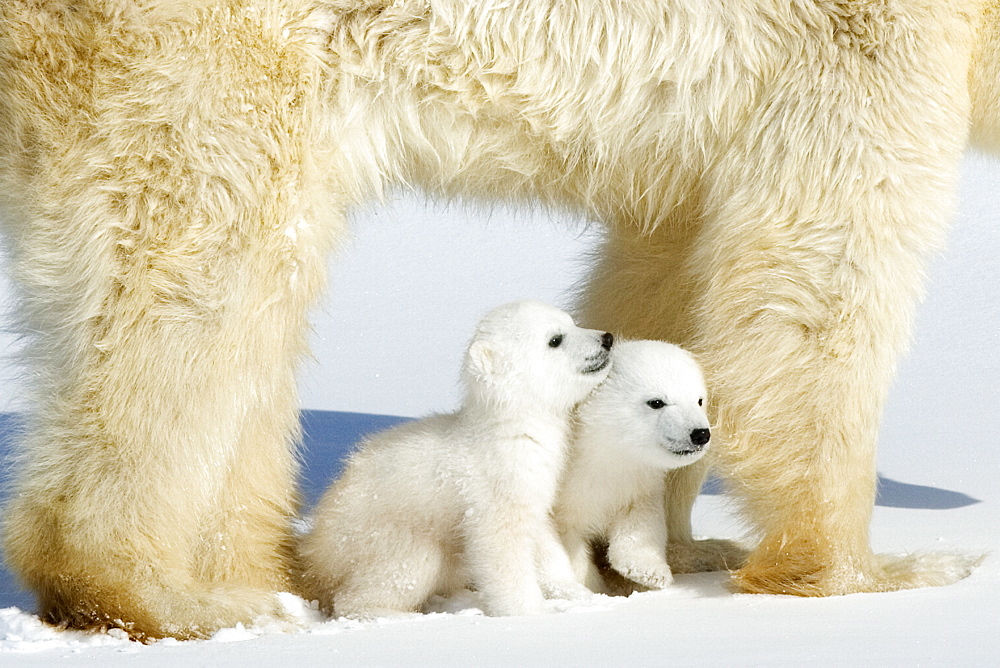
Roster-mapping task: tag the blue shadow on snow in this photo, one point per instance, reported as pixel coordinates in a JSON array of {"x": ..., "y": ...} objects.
[{"x": 893, "y": 494}]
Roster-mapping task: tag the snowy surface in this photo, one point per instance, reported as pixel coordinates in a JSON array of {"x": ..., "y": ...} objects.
[{"x": 406, "y": 291}]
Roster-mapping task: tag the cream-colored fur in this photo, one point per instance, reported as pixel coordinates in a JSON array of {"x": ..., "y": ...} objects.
[
  {"x": 464, "y": 498},
  {"x": 772, "y": 174},
  {"x": 647, "y": 418}
]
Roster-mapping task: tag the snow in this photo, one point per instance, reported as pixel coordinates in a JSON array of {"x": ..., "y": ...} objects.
[{"x": 407, "y": 290}]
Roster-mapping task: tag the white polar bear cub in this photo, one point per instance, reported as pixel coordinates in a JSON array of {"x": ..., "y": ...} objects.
[
  {"x": 464, "y": 498},
  {"x": 648, "y": 417}
]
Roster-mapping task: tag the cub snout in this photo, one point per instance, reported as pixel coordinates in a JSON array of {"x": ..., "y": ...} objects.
[
  {"x": 600, "y": 360},
  {"x": 700, "y": 437},
  {"x": 695, "y": 444}
]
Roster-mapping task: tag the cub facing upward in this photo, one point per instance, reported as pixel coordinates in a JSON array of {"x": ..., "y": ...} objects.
[
  {"x": 464, "y": 498},
  {"x": 647, "y": 418}
]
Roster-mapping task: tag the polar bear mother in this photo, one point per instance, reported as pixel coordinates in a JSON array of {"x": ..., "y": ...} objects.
[{"x": 772, "y": 176}]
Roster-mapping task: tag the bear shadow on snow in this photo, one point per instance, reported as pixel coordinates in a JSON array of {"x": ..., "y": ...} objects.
[
  {"x": 328, "y": 437},
  {"x": 893, "y": 494}
]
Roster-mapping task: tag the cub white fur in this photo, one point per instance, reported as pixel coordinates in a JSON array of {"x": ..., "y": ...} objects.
[
  {"x": 464, "y": 498},
  {"x": 647, "y": 418}
]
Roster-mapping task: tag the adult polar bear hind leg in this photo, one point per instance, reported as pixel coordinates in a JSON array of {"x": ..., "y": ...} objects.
[
  {"x": 165, "y": 231},
  {"x": 175, "y": 170}
]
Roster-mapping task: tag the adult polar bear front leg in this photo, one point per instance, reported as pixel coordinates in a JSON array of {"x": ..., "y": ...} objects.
[
  {"x": 814, "y": 246},
  {"x": 793, "y": 265},
  {"x": 166, "y": 241}
]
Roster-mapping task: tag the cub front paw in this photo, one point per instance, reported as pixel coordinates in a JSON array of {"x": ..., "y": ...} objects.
[{"x": 649, "y": 575}]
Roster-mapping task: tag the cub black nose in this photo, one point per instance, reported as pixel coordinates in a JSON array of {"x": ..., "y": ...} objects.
[
  {"x": 607, "y": 340},
  {"x": 700, "y": 436}
]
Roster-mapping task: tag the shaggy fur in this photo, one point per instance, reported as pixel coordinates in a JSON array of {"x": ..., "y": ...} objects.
[
  {"x": 773, "y": 176},
  {"x": 464, "y": 498}
]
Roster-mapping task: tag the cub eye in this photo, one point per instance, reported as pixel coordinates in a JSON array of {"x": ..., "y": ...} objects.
[
  {"x": 701, "y": 401},
  {"x": 556, "y": 341},
  {"x": 656, "y": 404}
]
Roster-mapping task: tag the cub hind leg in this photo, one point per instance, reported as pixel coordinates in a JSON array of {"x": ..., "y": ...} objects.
[{"x": 397, "y": 578}]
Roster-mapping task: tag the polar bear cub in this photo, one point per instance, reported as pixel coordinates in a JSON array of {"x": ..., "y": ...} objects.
[
  {"x": 464, "y": 498},
  {"x": 647, "y": 418}
]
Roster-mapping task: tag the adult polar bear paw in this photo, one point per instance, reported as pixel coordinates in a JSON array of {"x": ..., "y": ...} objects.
[
  {"x": 927, "y": 569},
  {"x": 818, "y": 575},
  {"x": 149, "y": 611}
]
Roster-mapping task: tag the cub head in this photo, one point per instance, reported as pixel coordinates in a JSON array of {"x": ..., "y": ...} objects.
[
  {"x": 652, "y": 406},
  {"x": 527, "y": 352}
]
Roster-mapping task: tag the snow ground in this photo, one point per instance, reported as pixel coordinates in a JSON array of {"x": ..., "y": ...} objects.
[{"x": 407, "y": 295}]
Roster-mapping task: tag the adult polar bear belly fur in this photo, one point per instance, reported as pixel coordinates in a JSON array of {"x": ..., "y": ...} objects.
[{"x": 772, "y": 176}]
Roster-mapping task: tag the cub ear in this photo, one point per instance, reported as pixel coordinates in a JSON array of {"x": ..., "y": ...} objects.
[{"x": 482, "y": 359}]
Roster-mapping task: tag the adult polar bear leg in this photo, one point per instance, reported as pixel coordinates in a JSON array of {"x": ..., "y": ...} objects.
[
  {"x": 801, "y": 251},
  {"x": 814, "y": 244},
  {"x": 163, "y": 236},
  {"x": 984, "y": 82}
]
